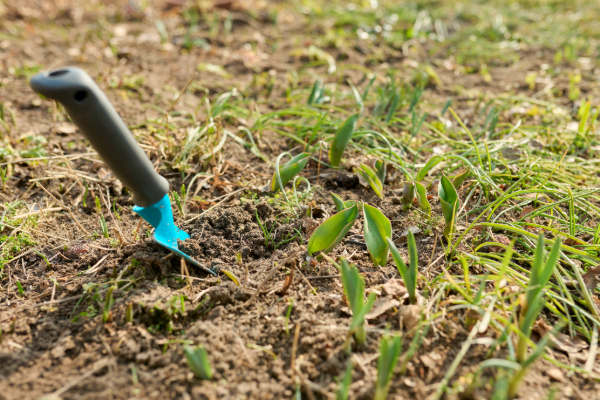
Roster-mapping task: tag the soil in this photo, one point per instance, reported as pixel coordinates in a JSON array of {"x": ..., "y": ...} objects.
[{"x": 54, "y": 341}]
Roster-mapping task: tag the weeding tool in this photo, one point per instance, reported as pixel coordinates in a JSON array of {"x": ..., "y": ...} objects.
[{"x": 92, "y": 112}]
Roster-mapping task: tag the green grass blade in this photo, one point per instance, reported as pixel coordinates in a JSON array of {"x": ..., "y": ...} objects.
[{"x": 290, "y": 169}]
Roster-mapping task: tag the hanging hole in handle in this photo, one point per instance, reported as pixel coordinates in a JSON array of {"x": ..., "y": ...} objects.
[
  {"x": 80, "y": 95},
  {"x": 58, "y": 72}
]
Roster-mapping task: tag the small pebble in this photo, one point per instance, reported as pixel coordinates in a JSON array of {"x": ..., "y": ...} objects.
[{"x": 555, "y": 374}]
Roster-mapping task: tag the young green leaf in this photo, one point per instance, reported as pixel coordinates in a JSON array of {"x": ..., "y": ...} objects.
[
  {"x": 354, "y": 288},
  {"x": 408, "y": 195},
  {"x": 380, "y": 167},
  {"x": 377, "y": 229},
  {"x": 460, "y": 178},
  {"x": 448, "y": 198},
  {"x": 340, "y": 204},
  {"x": 539, "y": 277},
  {"x": 332, "y": 230},
  {"x": 449, "y": 204},
  {"x": 341, "y": 139},
  {"x": 540, "y": 349},
  {"x": 389, "y": 351},
  {"x": 371, "y": 176},
  {"x": 316, "y": 93},
  {"x": 408, "y": 274},
  {"x": 344, "y": 385},
  {"x": 108, "y": 302},
  {"x": 422, "y": 197},
  {"x": 433, "y": 161},
  {"x": 290, "y": 169},
  {"x": 198, "y": 361}
]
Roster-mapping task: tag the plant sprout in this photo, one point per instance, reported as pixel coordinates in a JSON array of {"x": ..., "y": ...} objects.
[
  {"x": 354, "y": 289},
  {"x": 408, "y": 274}
]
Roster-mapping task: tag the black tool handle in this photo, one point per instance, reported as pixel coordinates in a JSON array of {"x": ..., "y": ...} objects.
[{"x": 92, "y": 112}]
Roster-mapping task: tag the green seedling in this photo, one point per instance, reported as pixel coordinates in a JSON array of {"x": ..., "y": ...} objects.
[
  {"x": 518, "y": 376},
  {"x": 316, "y": 94},
  {"x": 4, "y": 176},
  {"x": 381, "y": 169},
  {"x": 340, "y": 204},
  {"x": 198, "y": 361},
  {"x": 108, "y": 302},
  {"x": 98, "y": 205},
  {"x": 288, "y": 170},
  {"x": 114, "y": 207},
  {"x": 393, "y": 107},
  {"x": 19, "y": 288},
  {"x": 432, "y": 162},
  {"x": 373, "y": 177},
  {"x": 266, "y": 233},
  {"x": 449, "y": 204},
  {"x": 408, "y": 195},
  {"x": 540, "y": 275},
  {"x": 460, "y": 178},
  {"x": 389, "y": 351},
  {"x": 341, "y": 139},
  {"x": 288, "y": 315},
  {"x": 103, "y": 226},
  {"x": 343, "y": 389},
  {"x": 422, "y": 198},
  {"x": 43, "y": 256},
  {"x": 177, "y": 199},
  {"x": 354, "y": 289},
  {"x": 332, "y": 230},
  {"x": 417, "y": 122},
  {"x": 85, "y": 193},
  {"x": 231, "y": 276},
  {"x": 377, "y": 228},
  {"x": 129, "y": 313},
  {"x": 408, "y": 274}
]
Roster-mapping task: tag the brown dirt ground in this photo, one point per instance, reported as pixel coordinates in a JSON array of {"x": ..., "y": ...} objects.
[{"x": 44, "y": 350}]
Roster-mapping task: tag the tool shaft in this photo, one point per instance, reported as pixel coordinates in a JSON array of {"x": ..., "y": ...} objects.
[{"x": 97, "y": 119}]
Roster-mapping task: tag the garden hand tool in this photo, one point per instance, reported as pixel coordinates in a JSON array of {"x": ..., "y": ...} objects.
[{"x": 92, "y": 112}]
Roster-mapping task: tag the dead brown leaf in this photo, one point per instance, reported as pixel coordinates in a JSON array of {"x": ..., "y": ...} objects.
[
  {"x": 591, "y": 278},
  {"x": 568, "y": 344},
  {"x": 502, "y": 240},
  {"x": 561, "y": 341},
  {"x": 381, "y": 306},
  {"x": 394, "y": 288},
  {"x": 526, "y": 210},
  {"x": 409, "y": 316}
]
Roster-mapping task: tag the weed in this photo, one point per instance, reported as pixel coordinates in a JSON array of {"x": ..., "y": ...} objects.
[
  {"x": 341, "y": 139},
  {"x": 344, "y": 384},
  {"x": 198, "y": 362},
  {"x": 288, "y": 314},
  {"x": 408, "y": 274},
  {"x": 540, "y": 274},
  {"x": 354, "y": 289},
  {"x": 179, "y": 204},
  {"x": 389, "y": 351},
  {"x": 108, "y": 302}
]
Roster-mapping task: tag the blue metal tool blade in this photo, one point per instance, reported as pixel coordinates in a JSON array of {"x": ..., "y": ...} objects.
[{"x": 166, "y": 233}]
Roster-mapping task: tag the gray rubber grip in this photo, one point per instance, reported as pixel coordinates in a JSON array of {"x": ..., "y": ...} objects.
[{"x": 92, "y": 112}]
